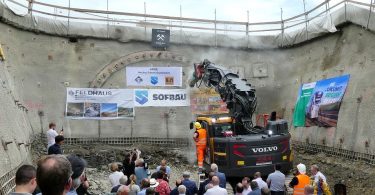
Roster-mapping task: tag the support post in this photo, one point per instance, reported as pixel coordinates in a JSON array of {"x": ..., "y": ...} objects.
[
  {"x": 107, "y": 21},
  {"x": 215, "y": 30},
  {"x": 345, "y": 4},
  {"x": 282, "y": 28},
  {"x": 247, "y": 28},
  {"x": 30, "y": 7},
  {"x": 69, "y": 19},
  {"x": 180, "y": 23},
  {"x": 306, "y": 19},
  {"x": 144, "y": 9},
  {"x": 369, "y": 15}
]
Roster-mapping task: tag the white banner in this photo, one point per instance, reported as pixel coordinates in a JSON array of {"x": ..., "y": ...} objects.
[
  {"x": 161, "y": 97},
  {"x": 102, "y": 104},
  {"x": 154, "y": 76}
]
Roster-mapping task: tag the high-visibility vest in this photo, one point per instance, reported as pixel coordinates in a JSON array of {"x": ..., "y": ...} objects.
[
  {"x": 202, "y": 137},
  {"x": 303, "y": 180}
]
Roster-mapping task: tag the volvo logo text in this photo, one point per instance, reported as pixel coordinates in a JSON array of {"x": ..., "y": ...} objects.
[{"x": 264, "y": 149}]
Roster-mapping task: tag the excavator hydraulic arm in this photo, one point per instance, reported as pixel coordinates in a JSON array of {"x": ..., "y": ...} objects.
[{"x": 234, "y": 91}]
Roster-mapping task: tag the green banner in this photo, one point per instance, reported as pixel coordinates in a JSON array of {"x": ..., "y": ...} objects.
[{"x": 303, "y": 99}]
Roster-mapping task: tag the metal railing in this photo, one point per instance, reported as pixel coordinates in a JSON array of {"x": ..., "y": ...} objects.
[{"x": 115, "y": 18}]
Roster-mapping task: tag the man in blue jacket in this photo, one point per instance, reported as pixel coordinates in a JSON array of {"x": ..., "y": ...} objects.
[{"x": 221, "y": 176}]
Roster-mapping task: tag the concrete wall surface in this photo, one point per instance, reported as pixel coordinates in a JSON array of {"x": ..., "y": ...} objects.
[
  {"x": 41, "y": 65},
  {"x": 15, "y": 129}
]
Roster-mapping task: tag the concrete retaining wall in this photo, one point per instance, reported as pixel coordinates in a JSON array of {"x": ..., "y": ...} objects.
[{"x": 41, "y": 65}]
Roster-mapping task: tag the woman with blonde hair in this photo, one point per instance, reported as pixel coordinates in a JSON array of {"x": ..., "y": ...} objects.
[{"x": 134, "y": 188}]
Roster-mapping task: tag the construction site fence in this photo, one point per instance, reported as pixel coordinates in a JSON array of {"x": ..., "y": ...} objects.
[
  {"x": 145, "y": 20},
  {"x": 368, "y": 157},
  {"x": 171, "y": 142}
]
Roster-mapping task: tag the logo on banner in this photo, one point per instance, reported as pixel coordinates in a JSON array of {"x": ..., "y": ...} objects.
[
  {"x": 169, "y": 80},
  {"x": 71, "y": 92},
  {"x": 154, "y": 80},
  {"x": 138, "y": 79},
  {"x": 141, "y": 96}
]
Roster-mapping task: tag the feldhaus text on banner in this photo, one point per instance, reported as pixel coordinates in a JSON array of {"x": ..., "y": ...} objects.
[
  {"x": 161, "y": 97},
  {"x": 154, "y": 76},
  {"x": 100, "y": 104}
]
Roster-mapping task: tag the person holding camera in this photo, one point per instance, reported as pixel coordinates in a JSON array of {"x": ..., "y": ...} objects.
[
  {"x": 141, "y": 170},
  {"x": 129, "y": 162}
]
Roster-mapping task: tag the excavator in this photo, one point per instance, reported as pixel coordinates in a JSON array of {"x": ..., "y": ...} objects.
[{"x": 233, "y": 142}]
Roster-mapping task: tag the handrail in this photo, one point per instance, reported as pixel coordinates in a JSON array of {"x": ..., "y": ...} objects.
[{"x": 187, "y": 22}]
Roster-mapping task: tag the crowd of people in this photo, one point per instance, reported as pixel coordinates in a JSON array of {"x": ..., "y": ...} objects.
[{"x": 57, "y": 174}]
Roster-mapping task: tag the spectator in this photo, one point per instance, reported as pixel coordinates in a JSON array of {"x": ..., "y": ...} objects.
[
  {"x": 51, "y": 134},
  {"x": 216, "y": 189},
  {"x": 123, "y": 190},
  {"x": 25, "y": 180},
  {"x": 140, "y": 170},
  {"x": 299, "y": 182},
  {"x": 165, "y": 177},
  {"x": 163, "y": 163},
  {"x": 239, "y": 189},
  {"x": 246, "y": 185},
  {"x": 56, "y": 147},
  {"x": 181, "y": 190},
  {"x": 309, "y": 190},
  {"x": 202, "y": 185},
  {"x": 321, "y": 187},
  {"x": 82, "y": 189},
  {"x": 123, "y": 181},
  {"x": 276, "y": 181},
  {"x": 114, "y": 177},
  {"x": 266, "y": 191},
  {"x": 53, "y": 175},
  {"x": 255, "y": 189},
  {"x": 191, "y": 187},
  {"x": 78, "y": 168},
  {"x": 145, "y": 183},
  {"x": 258, "y": 178},
  {"x": 223, "y": 181},
  {"x": 150, "y": 191},
  {"x": 133, "y": 187},
  {"x": 129, "y": 162},
  {"x": 316, "y": 173},
  {"x": 163, "y": 187},
  {"x": 175, "y": 190}
]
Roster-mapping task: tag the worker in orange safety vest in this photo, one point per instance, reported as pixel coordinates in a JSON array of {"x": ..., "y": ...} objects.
[
  {"x": 200, "y": 138},
  {"x": 301, "y": 180}
]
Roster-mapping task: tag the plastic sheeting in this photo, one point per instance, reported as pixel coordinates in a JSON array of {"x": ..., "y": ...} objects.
[
  {"x": 16, "y": 9},
  {"x": 317, "y": 27}
]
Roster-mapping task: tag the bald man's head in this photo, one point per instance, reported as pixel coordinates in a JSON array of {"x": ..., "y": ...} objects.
[
  {"x": 56, "y": 171},
  {"x": 163, "y": 162},
  {"x": 215, "y": 180},
  {"x": 257, "y": 175}
]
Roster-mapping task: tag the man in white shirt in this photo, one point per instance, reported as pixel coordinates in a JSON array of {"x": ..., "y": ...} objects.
[
  {"x": 114, "y": 177},
  {"x": 258, "y": 178},
  {"x": 317, "y": 174},
  {"x": 51, "y": 134},
  {"x": 216, "y": 189}
]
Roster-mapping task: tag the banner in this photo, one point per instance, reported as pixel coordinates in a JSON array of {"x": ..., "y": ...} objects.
[
  {"x": 303, "y": 99},
  {"x": 207, "y": 101},
  {"x": 154, "y": 76},
  {"x": 161, "y": 97},
  {"x": 324, "y": 102},
  {"x": 101, "y": 104}
]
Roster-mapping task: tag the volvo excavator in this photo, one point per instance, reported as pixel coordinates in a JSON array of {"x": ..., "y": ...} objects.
[{"x": 237, "y": 146}]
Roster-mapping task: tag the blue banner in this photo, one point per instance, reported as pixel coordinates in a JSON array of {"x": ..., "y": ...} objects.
[{"x": 324, "y": 105}]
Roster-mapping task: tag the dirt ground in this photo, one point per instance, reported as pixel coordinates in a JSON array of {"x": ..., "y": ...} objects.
[{"x": 358, "y": 177}]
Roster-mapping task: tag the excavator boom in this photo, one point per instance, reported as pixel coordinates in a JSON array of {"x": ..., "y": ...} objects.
[{"x": 234, "y": 91}]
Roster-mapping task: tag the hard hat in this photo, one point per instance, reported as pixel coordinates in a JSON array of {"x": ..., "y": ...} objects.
[
  {"x": 301, "y": 168},
  {"x": 197, "y": 125}
]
